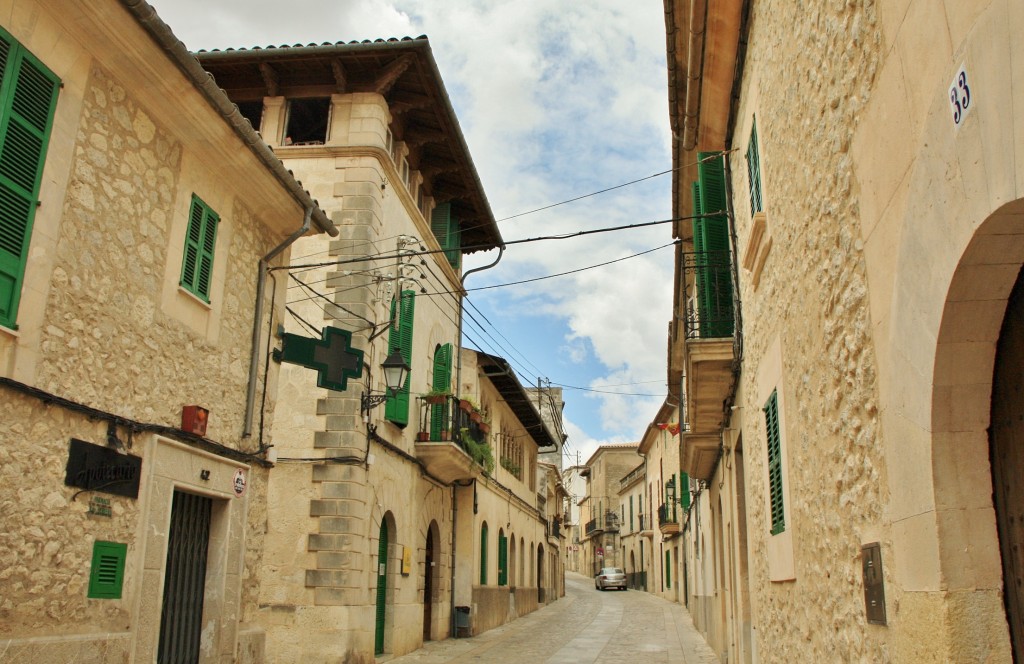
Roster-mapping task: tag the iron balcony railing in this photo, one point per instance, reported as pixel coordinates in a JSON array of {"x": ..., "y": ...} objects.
[
  {"x": 591, "y": 526},
  {"x": 707, "y": 281},
  {"x": 444, "y": 421},
  {"x": 667, "y": 514}
]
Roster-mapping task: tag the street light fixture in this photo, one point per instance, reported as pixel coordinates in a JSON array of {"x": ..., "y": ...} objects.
[{"x": 395, "y": 371}]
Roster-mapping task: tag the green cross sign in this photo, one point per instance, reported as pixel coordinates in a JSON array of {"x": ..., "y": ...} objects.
[{"x": 332, "y": 356}]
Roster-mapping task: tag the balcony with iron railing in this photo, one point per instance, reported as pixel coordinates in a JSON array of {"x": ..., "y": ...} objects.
[
  {"x": 708, "y": 354},
  {"x": 593, "y": 527},
  {"x": 645, "y": 526},
  {"x": 668, "y": 519},
  {"x": 452, "y": 443}
]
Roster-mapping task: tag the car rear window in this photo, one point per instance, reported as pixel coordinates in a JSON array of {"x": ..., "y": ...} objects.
[{"x": 612, "y": 570}]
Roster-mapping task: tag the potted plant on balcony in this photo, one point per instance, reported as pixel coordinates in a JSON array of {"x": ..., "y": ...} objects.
[
  {"x": 479, "y": 451},
  {"x": 423, "y": 436},
  {"x": 467, "y": 404},
  {"x": 436, "y": 395}
]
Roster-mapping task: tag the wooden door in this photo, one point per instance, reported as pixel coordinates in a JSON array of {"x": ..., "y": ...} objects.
[{"x": 1006, "y": 439}]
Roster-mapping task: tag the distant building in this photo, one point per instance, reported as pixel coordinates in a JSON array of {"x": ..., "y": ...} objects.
[{"x": 599, "y": 511}]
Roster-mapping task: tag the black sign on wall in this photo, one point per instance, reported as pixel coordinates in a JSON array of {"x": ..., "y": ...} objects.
[{"x": 96, "y": 468}]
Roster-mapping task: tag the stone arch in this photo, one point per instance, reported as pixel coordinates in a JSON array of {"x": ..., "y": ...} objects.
[{"x": 431, "y": 576}]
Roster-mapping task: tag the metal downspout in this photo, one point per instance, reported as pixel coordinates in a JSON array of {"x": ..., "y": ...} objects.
[
  {"x": 458, "y": 385},
  {"x": 261, "y": 284}
]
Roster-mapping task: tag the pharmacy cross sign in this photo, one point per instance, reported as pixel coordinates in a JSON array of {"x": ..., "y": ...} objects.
[{"x": 332, "y": 356}]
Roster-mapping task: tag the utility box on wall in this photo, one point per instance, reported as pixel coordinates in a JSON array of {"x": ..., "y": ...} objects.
[{"x": 874, "y": 588}]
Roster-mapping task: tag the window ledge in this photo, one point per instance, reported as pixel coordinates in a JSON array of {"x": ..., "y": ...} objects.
[
  {"x": 9, "y": 331},
  {"x": 758, "y": 245},
  {"x": 195, "y": 298}
]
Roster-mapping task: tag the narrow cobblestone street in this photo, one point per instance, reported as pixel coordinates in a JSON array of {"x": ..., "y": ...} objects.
[{"x": 584, "y": 626}]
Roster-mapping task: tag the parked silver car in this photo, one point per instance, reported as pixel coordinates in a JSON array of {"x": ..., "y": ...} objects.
[{"x": 610, "y": 577}]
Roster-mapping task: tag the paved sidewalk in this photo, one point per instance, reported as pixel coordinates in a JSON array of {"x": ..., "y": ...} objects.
[{"x": 586, "y": 626}]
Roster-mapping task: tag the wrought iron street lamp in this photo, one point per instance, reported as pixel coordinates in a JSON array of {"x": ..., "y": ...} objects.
[{"x": 395, "y": 371}]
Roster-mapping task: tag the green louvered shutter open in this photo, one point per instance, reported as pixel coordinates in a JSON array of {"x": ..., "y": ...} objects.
[
  {"x": 502, "y": 560},
  {"x": 771, "y": 418},
  {"x": 446, "y": 230},
  {"x": 197, "y": 264},
  {"x": 28, "y": 97},
  {"x": 711, "y": 241},
  {"x": 397, "y": 407},
  {"x": 441, "y": 381},
  {"x": 684, "y": 489}
]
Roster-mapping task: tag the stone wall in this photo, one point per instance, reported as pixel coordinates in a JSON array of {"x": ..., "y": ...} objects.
[
  {"x": 809, "y": 73},
  {"x": 110, "y": 340}
]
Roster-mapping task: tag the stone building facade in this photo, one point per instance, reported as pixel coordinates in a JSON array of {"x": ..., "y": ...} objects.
[
  {"x": 599, "y": 513},
  {"x": 860, "y": 490},
  {"x": 131, "y": 528},
  {"x": 378, "y": 501}
]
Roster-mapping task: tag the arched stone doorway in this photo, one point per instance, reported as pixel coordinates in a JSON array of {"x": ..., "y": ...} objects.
[
  {"x": 431, "y": 578},
  {"x": 384, "y": 571}
]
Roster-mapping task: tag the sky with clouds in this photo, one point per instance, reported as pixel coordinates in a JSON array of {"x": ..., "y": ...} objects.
[{"x": 556, "y": 99}]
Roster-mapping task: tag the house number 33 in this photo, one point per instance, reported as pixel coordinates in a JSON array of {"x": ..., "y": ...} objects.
[{"x": 960, "y": 97}]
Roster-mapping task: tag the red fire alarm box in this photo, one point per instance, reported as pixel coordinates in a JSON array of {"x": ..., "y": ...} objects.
[{"x": 194, "y": 419}]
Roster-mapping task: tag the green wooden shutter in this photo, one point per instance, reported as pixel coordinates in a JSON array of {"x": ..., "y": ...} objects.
[
  {"x": 483, "y": 555},
  {"x": 397, "y": 407},
  {"x": 502, "y": 559},
  {"x": 631, "y": 514},
  {"x": 711, "y": 242},
  {"x": 684, "y": 487},
  {"x": 446, "y": 230},
  {"x": 382, "y": 588},
  {"x": 106, "y": 576},
  {"x": 754, "y": 171},
  {"x": 668, "y": 569},
  {"x": 197, "y": 264},
  {"x": 441, "y": 381},
  {"x": 28, "y": 98},
  {"x": 771, "y": 417}
]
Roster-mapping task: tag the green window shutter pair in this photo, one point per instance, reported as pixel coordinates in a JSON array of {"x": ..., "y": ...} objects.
[
  {"x": 684, "y": 490},
  {"x": 441, "y": 381},
  {"x": 502, "y": 560},
  {"x": 449, "y": 235},
  {"x": 771, "y": 419},
  {"x": 106, "y": 576},
  {"x": 197, "y": 265},
  {"x": 754, "y": 171},
  {"x": 483, "y": 555},
  {"x": 28, "y": 98},
  {"x": 400, "y": 338},
  {"x": 711, "y": 242}
]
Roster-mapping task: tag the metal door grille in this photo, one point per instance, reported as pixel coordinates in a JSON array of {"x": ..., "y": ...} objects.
[{"x": 185, "y": 580}]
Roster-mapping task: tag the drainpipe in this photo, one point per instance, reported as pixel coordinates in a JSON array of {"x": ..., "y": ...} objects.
[
  {"x": 261, "y": 284},
  {"x": 458, "y": 386}
]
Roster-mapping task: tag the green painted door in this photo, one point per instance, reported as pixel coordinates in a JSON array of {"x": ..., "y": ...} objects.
[{"x": 382, "y": 588}]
